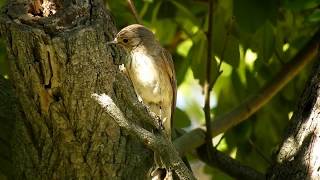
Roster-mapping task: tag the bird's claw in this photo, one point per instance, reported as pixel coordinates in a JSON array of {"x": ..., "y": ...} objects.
[
  {"x": 158, "y": 174},
  {"x": 123, "y": 69},
  {"x": 162, "y": 174},
  {"x": 160, "y": 124}
]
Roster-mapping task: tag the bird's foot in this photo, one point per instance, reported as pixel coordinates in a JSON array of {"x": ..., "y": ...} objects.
[
  {"x": 169, "y": 175},
  {"x": 161, "y": 174},
  {"x": 158, "y": 174},
  {"x": 160, "y": 124},
  {"x": 123, "y": 69}
]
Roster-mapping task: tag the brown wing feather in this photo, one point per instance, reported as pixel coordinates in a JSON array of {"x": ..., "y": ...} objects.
[{"x": 171, "y": 72}]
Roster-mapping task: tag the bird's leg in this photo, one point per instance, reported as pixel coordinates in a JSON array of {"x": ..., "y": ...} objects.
[
  {"x": 155, "y": 109},
  {"x": 160, "y": 121},
  {"x": 160, "y": 172}
]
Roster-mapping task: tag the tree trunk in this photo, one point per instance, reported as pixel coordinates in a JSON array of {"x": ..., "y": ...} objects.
[
  {"x": 58, "y": 57},
  {"x": 8, "y": 116},
  {"x": 299, "y": 154}
]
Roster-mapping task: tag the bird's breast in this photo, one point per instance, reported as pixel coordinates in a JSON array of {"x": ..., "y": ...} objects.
[
  {"x": 145, "y": 68},
  {"x": 145, "y": 75}
]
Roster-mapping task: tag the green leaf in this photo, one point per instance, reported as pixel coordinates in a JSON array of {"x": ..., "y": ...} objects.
[
  {"x": 289, "y": 91},
  {"x": 181, "y": 66},
  {"x": 266, "y": 41},
  {"x": 231, "y": 54},
  {"x": 252, "y": 82},
  {"x": 181, "y": 119},
  {"x": 216, "y": 173},
  {"x": 219, "y": 32},
  {"x": 225, "y": 45},
  {"x": 167, "y": 10},
  {"x": 198, "y": 55},
  {"x": 124, "y": 18},
  {"x": 225, "y": 104},
  {"x": 155, "y": 12},
  {"x": 251, "y": 14},
  {"x": 265, "y": 128},
  {"x": 185, "y": 12},
  {"x": 240, "y": 133},
  {"x": 165, "y": 35},
  {"x": 237, "y": 84},
  {"x": 314, "y": 17},
  {"x": 298, "y": 5}
]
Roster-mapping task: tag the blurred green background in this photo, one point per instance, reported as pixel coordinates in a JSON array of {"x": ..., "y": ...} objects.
[{"x": 253, "y": 39}]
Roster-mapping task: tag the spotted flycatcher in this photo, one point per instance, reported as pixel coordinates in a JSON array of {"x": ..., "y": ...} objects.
[{"x": 151, "y": 71}]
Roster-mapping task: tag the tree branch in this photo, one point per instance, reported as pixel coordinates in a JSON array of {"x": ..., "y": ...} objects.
[
  {"x": 254, "y": 103},
  {"x": 156, "y": 140},
  {"x": 134, "y": 12},
  {"x": 230, "y": 166},
  {"x": 298, "y": 155}
]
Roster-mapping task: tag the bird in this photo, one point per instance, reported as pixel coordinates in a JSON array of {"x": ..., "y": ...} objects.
[{"x": 151, "y": 70}]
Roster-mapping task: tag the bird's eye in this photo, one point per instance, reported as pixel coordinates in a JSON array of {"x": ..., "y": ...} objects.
[{"x": 125, "y": 40}]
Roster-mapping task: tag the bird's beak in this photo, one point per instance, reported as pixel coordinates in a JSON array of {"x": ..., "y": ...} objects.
[{"x": 112, "y": 42}]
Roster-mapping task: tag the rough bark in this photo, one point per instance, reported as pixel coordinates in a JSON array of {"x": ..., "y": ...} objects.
[
  {"x": 58, "y": 57},
  {"x": 299, "y": 154},
  {"x": 8, "y": 115}
]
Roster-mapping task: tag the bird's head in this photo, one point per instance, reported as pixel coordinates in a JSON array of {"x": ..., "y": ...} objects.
[{"x": 132, "y": 36}]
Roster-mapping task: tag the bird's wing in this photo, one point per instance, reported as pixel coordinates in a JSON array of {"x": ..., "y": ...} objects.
[{"x": 167, "y": 60}]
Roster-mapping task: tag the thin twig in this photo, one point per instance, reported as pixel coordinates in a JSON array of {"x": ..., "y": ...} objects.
[
  {"x": 134, "y": 11},
  {"x": 207, "y": 83}
]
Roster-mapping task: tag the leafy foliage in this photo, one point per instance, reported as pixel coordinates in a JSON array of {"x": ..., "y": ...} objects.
[{"x": 252, "y": 38}]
